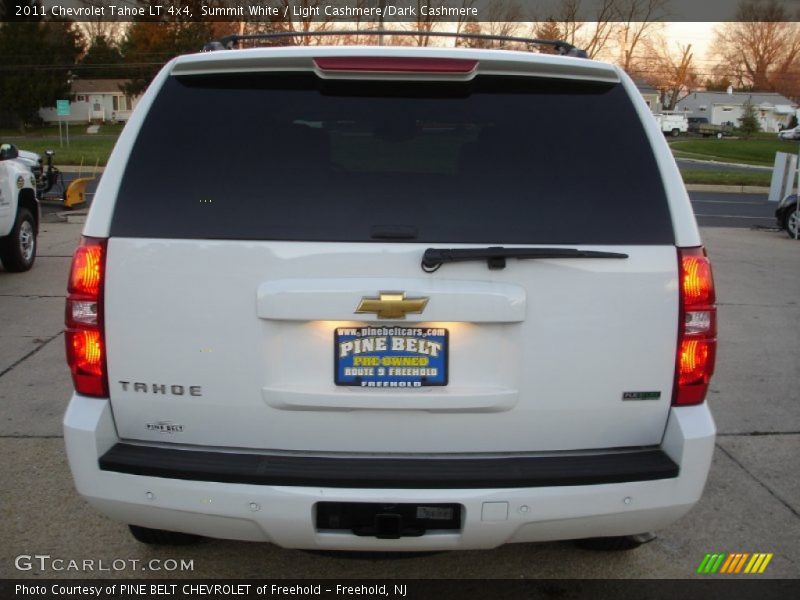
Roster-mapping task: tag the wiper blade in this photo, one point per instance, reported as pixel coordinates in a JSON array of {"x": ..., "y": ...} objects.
[{"x": 496, "y": 256}]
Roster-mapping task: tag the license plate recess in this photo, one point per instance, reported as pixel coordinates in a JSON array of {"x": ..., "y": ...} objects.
[
  {"x": 387, "y": 521},
  {"x": 390, "y": 356}
]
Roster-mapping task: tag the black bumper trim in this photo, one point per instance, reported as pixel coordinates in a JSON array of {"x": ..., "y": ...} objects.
[{"x": 407, "y": 473}]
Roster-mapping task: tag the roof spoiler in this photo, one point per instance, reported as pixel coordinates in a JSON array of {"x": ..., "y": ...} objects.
[{"x": 230, "y": 42}]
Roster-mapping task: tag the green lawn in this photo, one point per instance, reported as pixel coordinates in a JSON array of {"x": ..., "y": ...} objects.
[
  {"x": 727, "y": 177},
  {"x": 753, "y": 151},
  {"x": 52, "y": 131},
  {"x": 88, "y": 150},
  {"x": 82, "y": 146}
]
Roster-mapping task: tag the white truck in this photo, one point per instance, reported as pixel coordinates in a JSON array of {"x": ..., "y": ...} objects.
[
  {"x": 423, "y": 319},
  {"x": 19, "y": 208},
  {"x": 672, "y": 124}
]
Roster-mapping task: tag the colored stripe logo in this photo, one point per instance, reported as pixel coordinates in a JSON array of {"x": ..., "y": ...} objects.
[{"x": 734, "y": 563}]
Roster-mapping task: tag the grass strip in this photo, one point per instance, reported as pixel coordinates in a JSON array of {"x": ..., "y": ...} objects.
[{"x": 727, "y": 177}]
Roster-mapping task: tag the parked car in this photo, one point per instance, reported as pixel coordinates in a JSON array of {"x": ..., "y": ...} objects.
[
  {"x": 789, "y": 134},
  {"x": 351, "y": 331},
  {"x": 788, "y": 215},
  {"x": 19, "y": 210}
]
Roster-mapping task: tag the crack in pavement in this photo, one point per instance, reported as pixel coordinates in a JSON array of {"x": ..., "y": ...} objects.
[
  {"x": 757, "y": 433},
  {"x": 20, "y": 436},
  {"x": 759, "y": 482},
  {"x": 788, "y": 304},
  {"x": 29, "y": 354},
  {"x": 31, "y": 296}
]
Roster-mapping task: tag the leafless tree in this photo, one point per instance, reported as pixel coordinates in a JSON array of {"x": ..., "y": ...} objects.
[
  {"x": 590, "y": 31},
  {"x": 299, "y": 16},
  {"x": 423, "y": 24},
  {"x": 462, "y": 21},
  {"x": 504, "y": 18},
  {"x": 636, "y": 19},
  {"x": 668, "y": 67},
  {"x": 762, "y": 48}
]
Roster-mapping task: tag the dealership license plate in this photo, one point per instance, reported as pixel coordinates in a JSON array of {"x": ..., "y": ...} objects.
[{"x": 390, "y": 357}]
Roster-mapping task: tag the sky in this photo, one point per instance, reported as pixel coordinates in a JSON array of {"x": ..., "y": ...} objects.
[{"x": 700, "y": 35}]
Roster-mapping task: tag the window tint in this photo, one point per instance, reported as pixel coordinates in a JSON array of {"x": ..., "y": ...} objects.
[{"x": 294, "y": 157}]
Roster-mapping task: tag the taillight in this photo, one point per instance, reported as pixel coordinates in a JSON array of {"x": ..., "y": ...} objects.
[
  {"x": 85, "y": 334},
  {"x": 396, "y": 64},
  {"x": 697, "y": 334}
]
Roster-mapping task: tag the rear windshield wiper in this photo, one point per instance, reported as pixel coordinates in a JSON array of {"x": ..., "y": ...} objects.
[{"x": 496, "y": 256}]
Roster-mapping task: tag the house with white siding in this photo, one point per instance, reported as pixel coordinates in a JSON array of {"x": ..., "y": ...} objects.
[
  {"x": 95, "y": 100},
  {"x": 651, "y": 95},
  {"x": 773, "y": 110}
]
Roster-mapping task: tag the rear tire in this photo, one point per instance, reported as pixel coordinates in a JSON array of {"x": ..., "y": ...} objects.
[
  {"x": 791, "y": 222},
  {"x": 676, "y": 132},
  {"x": 18, "y": 248},
  {"x": 161, "y": 537},
  {"x": 620, "y": 543}
]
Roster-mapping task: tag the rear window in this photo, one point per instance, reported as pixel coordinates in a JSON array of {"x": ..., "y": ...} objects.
[{"x": 295, "y": 157}]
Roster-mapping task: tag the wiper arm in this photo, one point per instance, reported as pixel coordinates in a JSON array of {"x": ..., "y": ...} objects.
[{"x": 496, "y": 256}]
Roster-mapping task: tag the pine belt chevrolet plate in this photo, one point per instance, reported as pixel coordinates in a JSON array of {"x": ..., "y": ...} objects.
[{"x": 390, "y": 357}]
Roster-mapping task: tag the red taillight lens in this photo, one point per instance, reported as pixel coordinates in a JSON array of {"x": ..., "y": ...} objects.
[
  {"x": 396, "y": 64},
  {"x": 697, "y": 342},
  {"x": 85, "y": 335},
  {"x": 697, "y": 282},
  {"x": 87, "y": 269}
]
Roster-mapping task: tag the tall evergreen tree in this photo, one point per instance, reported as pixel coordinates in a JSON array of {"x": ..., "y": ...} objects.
[
  {"x": 103, "y": 60},
  {"x": 37, "y": 61},
  {"x": 748, "y": 123}
]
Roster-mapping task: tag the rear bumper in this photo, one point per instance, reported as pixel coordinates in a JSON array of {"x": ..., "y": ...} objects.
[
  {"x": 284, "y": 514},
  {"x": 389, "y": 473}
]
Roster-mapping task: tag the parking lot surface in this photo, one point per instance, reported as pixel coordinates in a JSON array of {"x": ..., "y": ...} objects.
[
  {"x": 715, "y": 209},
  {"x": 751, "y": 503}
]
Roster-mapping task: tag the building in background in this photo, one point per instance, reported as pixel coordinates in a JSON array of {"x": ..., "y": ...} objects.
[
  {"x": 97, "y": 100},
  {"x": 650, "y": 94},
  {"x": 773, "y": 110}
]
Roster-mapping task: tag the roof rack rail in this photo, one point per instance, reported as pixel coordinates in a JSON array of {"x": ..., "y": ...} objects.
[{"x": 231, "y": 41}]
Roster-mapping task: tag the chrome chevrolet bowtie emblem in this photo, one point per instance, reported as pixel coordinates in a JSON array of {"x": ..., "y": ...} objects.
[{"x": 391, "y": 305}]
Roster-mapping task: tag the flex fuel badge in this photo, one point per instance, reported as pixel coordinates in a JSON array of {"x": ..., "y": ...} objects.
[{"x": 641, "y": 395}]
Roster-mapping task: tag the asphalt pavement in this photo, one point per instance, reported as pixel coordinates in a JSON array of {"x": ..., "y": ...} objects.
[
  {"x": 751, "y": 502},
  {"x": 715, "y": 209}
]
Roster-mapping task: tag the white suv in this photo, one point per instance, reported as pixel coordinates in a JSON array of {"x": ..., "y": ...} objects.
[{"x": 382, "y": 300}]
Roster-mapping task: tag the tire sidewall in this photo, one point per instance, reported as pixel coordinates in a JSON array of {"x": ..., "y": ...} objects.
[
  {"x": 789, "y": 214},
  {"x": 11, "y": 251}
]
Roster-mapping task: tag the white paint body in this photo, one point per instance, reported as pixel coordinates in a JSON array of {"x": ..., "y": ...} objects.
[
  {"x": 284, "y": 515},
  {"x": 540, "y": 355},
  {"x": 11, "y": 171},
  {"x": 670, "y": 123}
]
